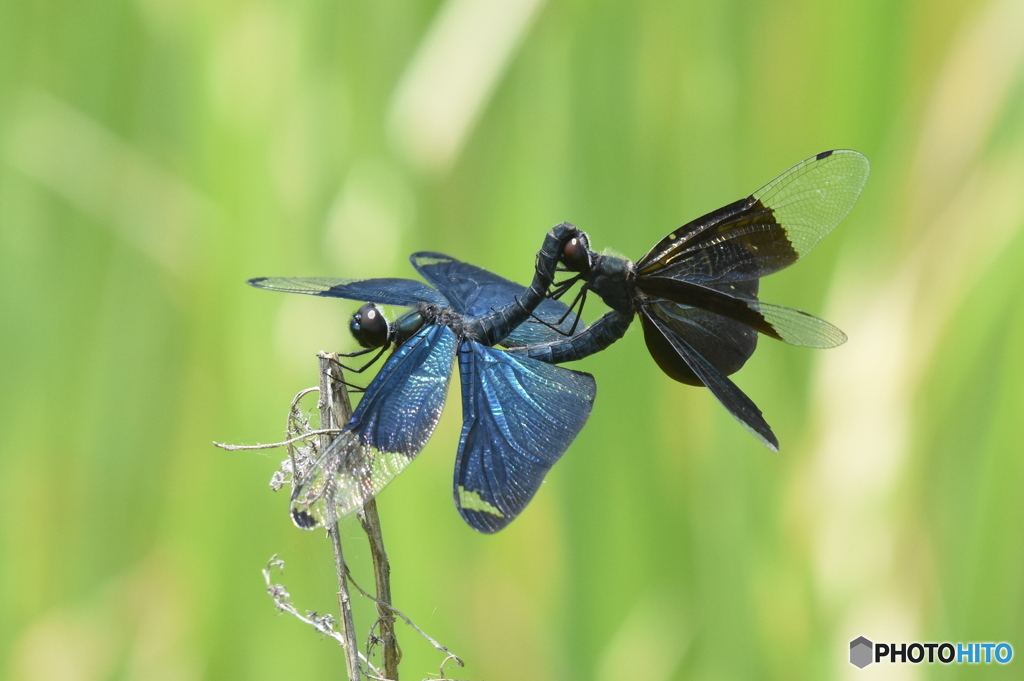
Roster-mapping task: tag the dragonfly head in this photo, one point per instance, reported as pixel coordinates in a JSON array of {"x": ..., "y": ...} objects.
[
  {"x": 576, "y": 254},
  {"x": 369, "y": 327}
]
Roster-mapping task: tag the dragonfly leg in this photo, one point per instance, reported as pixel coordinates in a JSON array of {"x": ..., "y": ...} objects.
[
  {"x": 560, "y": 288},
  {"x": 580, "y": 298},
  {"x": 351, "y": 386},
  {"x": 358, "y": 353}
]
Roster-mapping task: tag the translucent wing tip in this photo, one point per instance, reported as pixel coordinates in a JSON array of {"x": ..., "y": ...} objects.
[
  {"x": 797, "y": 327},
  {"x": 854, "y": 164},
  {"x": 843, "y": 153},
  {"x": 857, "y": 159},
  {"x": 839, "y": 338},
  {"x": 810, "y": 199}
]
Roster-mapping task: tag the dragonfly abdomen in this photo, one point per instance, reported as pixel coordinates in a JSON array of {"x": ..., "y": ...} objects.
[{"x": 599, "y": 336}]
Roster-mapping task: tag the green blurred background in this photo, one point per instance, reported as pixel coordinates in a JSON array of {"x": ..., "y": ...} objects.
[{"x": 155, "y": 154}]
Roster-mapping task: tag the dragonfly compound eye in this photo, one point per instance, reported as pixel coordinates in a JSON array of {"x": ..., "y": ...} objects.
[
  {"x": 369, "y": 326},
  {"x": 576, "y": 255}
]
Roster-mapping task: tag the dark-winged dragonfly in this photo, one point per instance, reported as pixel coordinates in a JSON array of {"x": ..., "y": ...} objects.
[
  {"x": 696, "y": 291},
  {"x": 519, "y": 414}
]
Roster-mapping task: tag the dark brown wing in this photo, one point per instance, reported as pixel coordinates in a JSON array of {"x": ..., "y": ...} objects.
[
  {"x": 680, "y": 351},
  {"x": 725, "y": 343},
  {"x": 767, "y": 231},
  {"x": 735, "y": 302}
]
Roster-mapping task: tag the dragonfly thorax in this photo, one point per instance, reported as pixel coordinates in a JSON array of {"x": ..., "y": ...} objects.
[{"x": 613, "y": 279}]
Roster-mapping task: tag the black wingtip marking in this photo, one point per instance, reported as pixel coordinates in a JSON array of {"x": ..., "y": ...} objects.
[
  {"x": 303, "y": 520},
  {"x": 825, "y": 154},
  {"x": 256, "y": 281}
]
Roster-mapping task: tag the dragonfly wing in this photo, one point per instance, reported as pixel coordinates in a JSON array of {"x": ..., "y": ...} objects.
[
  {"x": 519, "y": 417},
  {"x": 401, "y": 406},
  {"x": 739, "y": 405},
  {"x": 475, "y": 292},
  {"x": 342, "y": 480},
  {"x": 725, "y": 343},
  {"x": 767, "y": 231},
  {"x": 385, "y": 291},
  {"x": 394, "y": 420},
  {"x": 734, "y": 302}
]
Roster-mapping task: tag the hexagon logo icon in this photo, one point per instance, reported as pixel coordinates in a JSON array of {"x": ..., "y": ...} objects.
[{"x": 860, "y": 652}]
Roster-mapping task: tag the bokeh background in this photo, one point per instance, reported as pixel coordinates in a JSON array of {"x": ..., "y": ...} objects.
[{"x": 154, "y": 154}]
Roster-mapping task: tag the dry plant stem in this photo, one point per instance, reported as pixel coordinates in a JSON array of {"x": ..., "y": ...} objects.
[
  {"x": 278, "y": 445},
  {"x": 405, "y": 618},
  {"x": 335, "y": 409},
  {"x": 382, "y": 575},
  {"x": 370, "y": 521},
  {"x": 348, "y": 627},
  {"x": 295, "y": 423},
  {"x": 325, "y": 624}
]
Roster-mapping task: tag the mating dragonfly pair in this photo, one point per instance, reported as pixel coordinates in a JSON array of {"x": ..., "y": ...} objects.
[{"x": 696, "y": 293}]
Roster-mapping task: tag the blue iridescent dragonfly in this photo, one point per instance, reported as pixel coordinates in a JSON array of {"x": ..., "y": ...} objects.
[
  {"x": 519, "y": 414},
  {"x": 696, "y": 291}
]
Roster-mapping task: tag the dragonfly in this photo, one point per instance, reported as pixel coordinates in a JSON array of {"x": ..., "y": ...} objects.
[
  {"x": 696, "y": 291},
  {"x": 519, "y": 414}
]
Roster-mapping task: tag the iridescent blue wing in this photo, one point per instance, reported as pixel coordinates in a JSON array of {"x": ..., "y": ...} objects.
[
  {"x": 385, "y": 291},
  {"x": 394, "y": 420},
  {"x": 767, "y": 231},
  {"x": 671, "y": 346},
  {"x": 401, "y": 406},
  {"x": 519, "y": 416},
  {"x": 470, "y": 290},
  {"x": 474, "y": 292}
]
